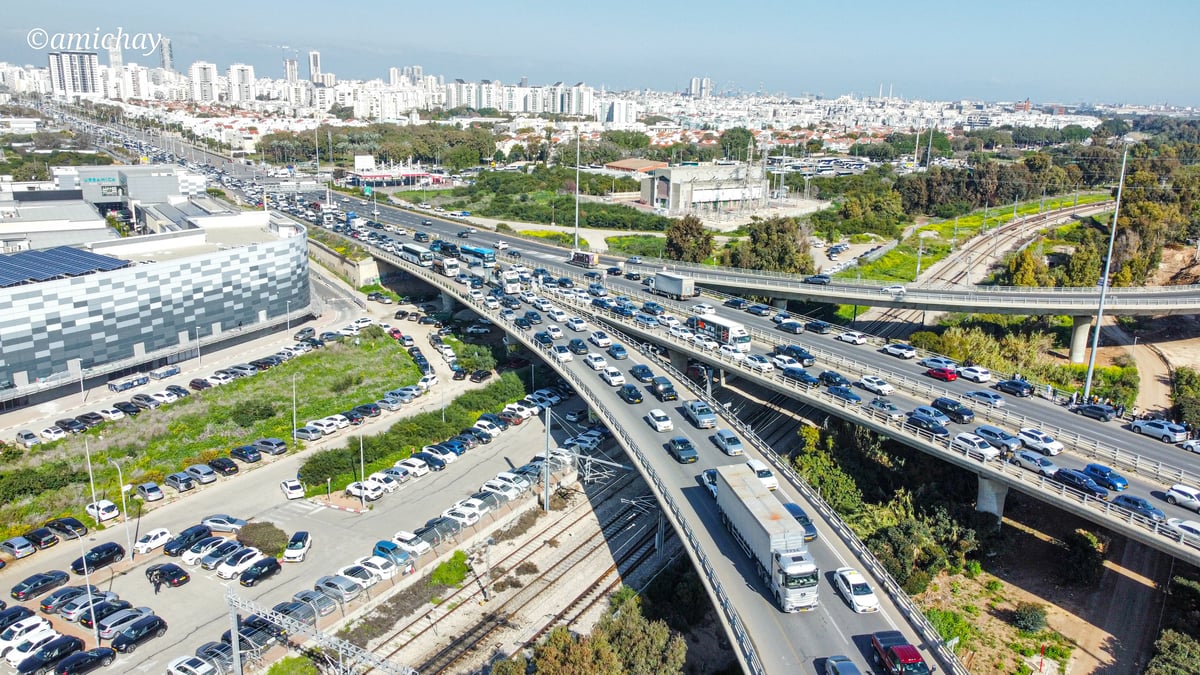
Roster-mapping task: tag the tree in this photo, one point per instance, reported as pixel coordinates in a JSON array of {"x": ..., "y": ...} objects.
[
  {"x": 688, "y": 240},
  {"x": 735, "y": 143},
  {"x": 774, "y": 244},
  {"x": 1083, "y": 564},
  {"x": 564, "y": 654},
  {"x": 644, "y": 647},
  {"x": 1175, "y": 653},
  {"x": 476, "y": 357},
  {"x": 461, "y": 157},
  {"x": 1028, "y": 269},
  {"x": 1029, "y": 617}
]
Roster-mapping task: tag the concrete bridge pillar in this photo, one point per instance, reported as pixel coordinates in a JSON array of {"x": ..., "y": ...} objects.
[
  {"x": 679, "y": 360},
  {"x": 447, "y": 302},
  {"x": 1079, "y": 337},
  {"x": 779, "y": 304},
  {"x": 718, "y": 377},
  {"x": 990, "y": 497}
]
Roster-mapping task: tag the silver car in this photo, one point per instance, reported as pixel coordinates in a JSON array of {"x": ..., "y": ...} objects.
[
  {"x": 218, "y": 555},
  {"x": 113, "y": 624},
  {"x": 77, "y": 607},
  {"x": 338, "y": 588},
  {"x": 324, "y": 604}
]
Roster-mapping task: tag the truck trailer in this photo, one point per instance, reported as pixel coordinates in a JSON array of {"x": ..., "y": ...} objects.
[
  {"x": 770, "y": 536},
  {"x": 674, "y": 286}
]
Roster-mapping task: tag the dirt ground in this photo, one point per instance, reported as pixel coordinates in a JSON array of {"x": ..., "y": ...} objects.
[{"x": 1106, "y": 629}]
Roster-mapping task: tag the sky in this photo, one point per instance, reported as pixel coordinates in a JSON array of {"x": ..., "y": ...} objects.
[{"x": 1064, "y": 51}]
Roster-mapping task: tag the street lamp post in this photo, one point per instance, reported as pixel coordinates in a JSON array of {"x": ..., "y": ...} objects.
[
  {"x": 87, "y": 580},
  {"x": 1104, "y": 282},
  {"x": 293, "y": 410},
  {"x": 362, "y": 475},
  {"x": 289, "y": 317},
  {"x": 124, "y": 509}
]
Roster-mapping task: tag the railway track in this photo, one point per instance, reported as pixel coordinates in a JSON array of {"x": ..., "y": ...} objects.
[
  {"x": 958, "y": 268},
  {"x": 627, "y": 522}
]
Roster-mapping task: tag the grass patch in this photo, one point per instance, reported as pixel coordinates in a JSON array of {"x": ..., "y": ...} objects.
[
  {"x": 340, "y": 245},
  {"x": 646, "y": 245},
  {"x": 950, "y": 624},
  {"x": 560, "y": 238},
  {"x": 377, "y": 288},
  {"x": 162, "y": 441}
]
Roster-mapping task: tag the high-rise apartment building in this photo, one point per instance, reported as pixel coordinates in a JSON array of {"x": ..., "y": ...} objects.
[
  {"x": 115, "y": 61},
  {"x": 73, "y": 74},
  {"x": 314, "y": 66},
  {"x": 166, "y": 54},
  {"x": 291, "y": 70},
  {"x": 203, "y": 77},
  {"x": 241, "y": 83}
]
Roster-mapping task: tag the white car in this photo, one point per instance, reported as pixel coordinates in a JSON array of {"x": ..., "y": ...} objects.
[
  {"x": 854, "y": 588},
  {"x": 384, "y": 481},
  {"x": 111, "y": 414},
  {"x": 680, "y": 332},
  {"x": 562, "y": 354},
  {"x": 1188, "y": 531},
  {"x": 556, "y": 314},
  {"x": 357, "y": 574},
  {"x": 612, "y": 376},
  {"x": 703, "y": 309},
  {"x": 164, "y": 397},
  {"x": 102, "y": 510},
  {"x": 464, "y": 517},
  {"x": 853, "y": 338},
  {"x": 731, "y": 352},
  {"x": 191, "y": 665},
  {"x": 326, "y": 427},
  {"x": 411, "y": 543},
  {"x": 478, "y": 506},
  {"x": 509, "y": 492},
  {"x": 667, "y": 321},
  {"x": 152, "y": 540},
  {"x": 938, "y": 362},
  {"x": 975, "y": 374},
  {"x": 381, "y": 567},
  {"x": 291, "y": 489},
  {"x": 238, "y": 562},
  {"x": 53, "y": 433},
  {"x": 17, "y": 632},
  {"x": 900, "y": 350},
  {"x": 488, "y": 427},
  {"x": 577, "y": 324},
  {"x": 705, "y": 342},
  {"x": 368, "y": 490},
  {"x": 1036, "y": 439},
  {"x": 491, "y": 303},
  {"x": 759, "y": 363},
  {"x": 600, "y": 339},
  {"x": 196, "y": 553},
  {"x": 876, "y": 385},
  {"x": 414, "y": 466},
  {"x": 974, "y": 446},
  {"x": 528, "y": 297},
  {"x": 554, "y": 332},
  {"x": 595, "y": 361},
  {"x": 659, "y": 420},
  {"x": 29, "y": 644},
  {"x": 895, "y": 289},
  {"x": 782, "y": 361}
]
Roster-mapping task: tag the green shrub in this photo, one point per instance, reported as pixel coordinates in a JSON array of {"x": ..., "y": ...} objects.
[
  {"x": 973, "y": 569},
  {"x": 452, "y": 572},
  {"x": 1029, "y": 617},
  {"x": 293, "y": 665},
  {"x": 346, "y": 382},
  {"x": 264, "y": 536},
  {"x": 253, "y": 411}
]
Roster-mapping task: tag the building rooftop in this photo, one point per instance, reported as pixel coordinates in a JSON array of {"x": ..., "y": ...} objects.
[
  {"x": 55, "y": 263},
  {"x": 74, "y": 211}
]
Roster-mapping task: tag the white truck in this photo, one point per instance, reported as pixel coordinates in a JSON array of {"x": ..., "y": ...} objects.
[
  {"x": 772, "y": 538},
  {"x": 674, "y": 286}
]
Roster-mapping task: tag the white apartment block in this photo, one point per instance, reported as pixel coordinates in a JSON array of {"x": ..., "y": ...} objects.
[
  {"x": 74, "y": 74},
  {"x": 203, "y": 77},
  {"x": 241, "y": 83}
]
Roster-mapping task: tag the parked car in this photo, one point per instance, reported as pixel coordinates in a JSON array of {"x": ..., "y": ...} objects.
[
  {"x": 100, "y": 555},
  {"x": 1081, "y": 482},
  {"x": 138, "y": 633}
]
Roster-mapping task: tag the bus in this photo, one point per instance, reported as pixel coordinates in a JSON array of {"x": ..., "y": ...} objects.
[
  {"x": 446, "y": 266},
  {"x": 722, "y": 330},
  {"x": 588, "y": 259},
  {"x": 127, "y": 383},
  {"x": 477, "y": 255},
  {"x": 418, "y": 255}
]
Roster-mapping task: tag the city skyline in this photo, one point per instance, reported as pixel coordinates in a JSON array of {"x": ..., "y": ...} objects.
[{"x": 937, "y": 51}]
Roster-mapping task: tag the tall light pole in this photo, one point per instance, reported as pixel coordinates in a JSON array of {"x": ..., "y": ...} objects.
[
  {"x": 1112, "y": 238},
  {"x": 293, "y": 411},
  {"x": 87, "y": 453},
  {"x": 362, "y": 475},
  {"x": 289, "y": 317},
  {"x": 196, "y": 332},
  {"x": 577, "y": 188},
  {"x": 87, "y": 580},
  {"x": 124, "y": 510}
]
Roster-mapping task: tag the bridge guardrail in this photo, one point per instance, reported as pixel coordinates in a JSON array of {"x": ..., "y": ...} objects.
[{"x": 729, "y": 615}]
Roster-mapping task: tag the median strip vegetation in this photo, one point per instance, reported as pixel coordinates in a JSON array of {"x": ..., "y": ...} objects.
[{"x": 50, "y": 479}]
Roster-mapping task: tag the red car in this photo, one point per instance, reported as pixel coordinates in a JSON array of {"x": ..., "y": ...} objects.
[{"x": 943, "y": 374}]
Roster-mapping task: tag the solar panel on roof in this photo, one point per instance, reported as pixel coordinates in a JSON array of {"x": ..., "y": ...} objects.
[{"x": 42, "y": 265}]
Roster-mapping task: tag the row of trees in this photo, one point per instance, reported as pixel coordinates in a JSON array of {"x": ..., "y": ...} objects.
[{"x": 453, "y": 147}]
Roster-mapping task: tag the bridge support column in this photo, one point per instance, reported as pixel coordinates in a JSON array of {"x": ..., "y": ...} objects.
[
  {"x": 447, "y": 302},
  {"x": 990, "y": 497},
  {"x": 718, "y": 377},
  {"x": 679, "y": 360},
  {"x": 1079, "y": 337},
  {"x": 780, "y": 304}
]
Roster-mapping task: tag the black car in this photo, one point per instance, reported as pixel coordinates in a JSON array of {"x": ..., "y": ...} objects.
[
  {"x": 819, "y": 327},
  {"x": 102, "y": 610},
  {"x": 41, "y": 537},
  {"x": 832, "y": 378},
  {"x": 522, "y": 323},
  {"x": 101, "y": 555},
  {"x": 86, "y": 661},
  {"x": 954, "y": 410},
  {"x": 459, "y": 373},
  {"x": 577, "y": 346},
  {"x": 178, "y": 391},
  {"x": 1096, "y": 411},
  {"x": 926, "y": 424},
  {"x": 369, "y": 410},
  {"x": 463, "y": 234},
  {"x": 480, "y": 375},
  {"x": 48, "y": 655},
  {"x": 1081, "y": 482},
  {"x": 434, "y": 463},
  {"x": 533, "y": 317},
  {"x": 429, "y": 321},
  {"x": 219, "y": 654},
  {"x": 55, "y": 600},
  {"x": 200, "y": 384},
  {"x": 818, "y": 279},
  {"x": 184, "y": 540},
  {"x": 12, "y": 615},
  {"x": 246, "y": 453},
  {"x": 400, "y": 314},
  {"x": 67, "y": 528},
  {"x": 479, "y": 434},
  {"x": 70, "y": 425},
  {"x": 641, "y": 373},
  {"x": 1019, "y": 388},
  {"x": 495, "y": 419},
  {"x": 89, "y": 419},
  {"x": 356, "y": 418},
  {"x": 128, "y": 408},
  {"x": 793, "y": 327},
  {"x": 36, "y": 584},
  {"x": 263, "y": 568},
  {"x": 169, "y": 574},
  {"x": 797, "y": 352},
  {"x": 799, "y": 375},
  {"x": 223, "y": 466},
  {"x": 139, "y": 632},
  {"x": 737, "y": 303},
  {"x": 630, "y": 393}
]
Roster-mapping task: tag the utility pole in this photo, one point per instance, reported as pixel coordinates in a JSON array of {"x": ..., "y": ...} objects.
[
  {"x": 577, "y": 156},
  {"x": 1112, "y": 238}
]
